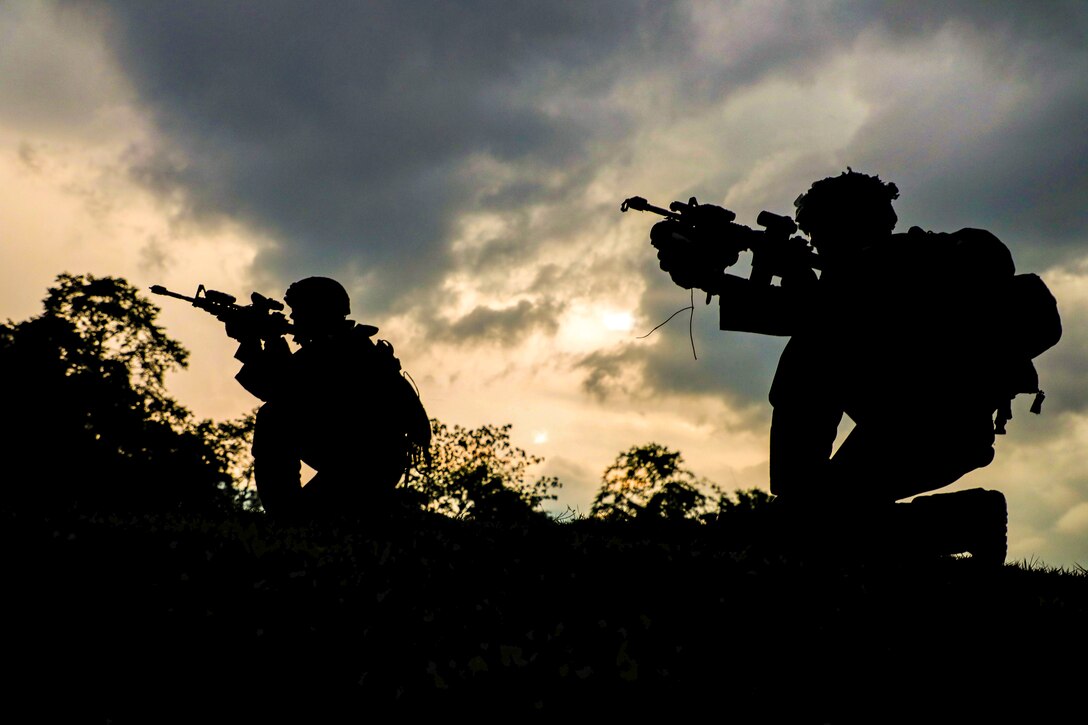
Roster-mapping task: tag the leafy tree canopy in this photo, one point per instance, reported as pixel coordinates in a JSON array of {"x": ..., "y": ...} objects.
[
  {"x": 94, "y": 422},
  {"x": 479, "y": 474},
  {"x": 651, "y": 482}
]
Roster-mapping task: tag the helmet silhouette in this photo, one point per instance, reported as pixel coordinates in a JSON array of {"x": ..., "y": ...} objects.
[
  {"x": 851, "y": 197},
  {"x": 318, "y": 297}
]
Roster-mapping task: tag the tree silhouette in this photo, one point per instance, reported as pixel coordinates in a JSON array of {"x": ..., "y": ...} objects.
[
  {"x": 479, "y": 474},
  {"x": 231, "y": 442},
  {"x": 650, "y": 482},
  {"x": 744, "y": 501},
  {"x": 93, "y": 422}
]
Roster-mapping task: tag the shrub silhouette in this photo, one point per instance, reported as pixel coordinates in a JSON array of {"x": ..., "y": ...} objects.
[{"x": 231, "y": 616}]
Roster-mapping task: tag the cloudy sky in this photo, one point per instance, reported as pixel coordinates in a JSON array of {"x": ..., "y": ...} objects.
[{"x": 459, "y": 166}]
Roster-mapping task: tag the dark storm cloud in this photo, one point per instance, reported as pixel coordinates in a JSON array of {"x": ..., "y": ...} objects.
[
  {"x": 960, "y": 156},
  {"x": 1055, "y": 21},
  {"x": 1026, "y": 180},
  {"x": 348, "y": 131},
  {"x": 343, "y": 128},
  {"x": 506, "y": 326}
]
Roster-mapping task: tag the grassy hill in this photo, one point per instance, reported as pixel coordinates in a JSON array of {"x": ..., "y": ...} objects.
[{"x": 148, "y": 619}]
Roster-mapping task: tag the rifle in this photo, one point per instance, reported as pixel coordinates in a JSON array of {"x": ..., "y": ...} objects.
[
  {"x": 775, "y": 250},
  {"x": 262, "y": 318}
]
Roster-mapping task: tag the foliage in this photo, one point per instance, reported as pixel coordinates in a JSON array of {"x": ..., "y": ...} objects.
[
  {"x": 744, "y": 502},
  {"x": 479, "y": 474},
  {"x": 649, "y": 482},
  {"x": 232, "y": 441},
  {"x": 94, "y": 423},
  {"x": 324, "y": 624}
]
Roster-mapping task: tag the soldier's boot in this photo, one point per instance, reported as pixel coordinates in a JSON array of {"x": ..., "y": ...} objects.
[{"x": 974, "y": 521}]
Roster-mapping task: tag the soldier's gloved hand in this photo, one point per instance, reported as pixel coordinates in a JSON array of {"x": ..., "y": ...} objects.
[
  {"x": 687, "y": 262},
  {"x": 240, "y": 329}
]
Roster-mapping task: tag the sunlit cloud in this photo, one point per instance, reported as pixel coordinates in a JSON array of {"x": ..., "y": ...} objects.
[{"x": 1074, "y": 521}]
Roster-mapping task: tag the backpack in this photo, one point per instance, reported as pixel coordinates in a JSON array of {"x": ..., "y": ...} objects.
[
  {"x": 1022, "y": 312},
  {"x": 405, "y": 411},
  {"x": 1033, "y": 327}
]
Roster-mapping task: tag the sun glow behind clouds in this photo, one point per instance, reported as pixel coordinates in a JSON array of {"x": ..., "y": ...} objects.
[
  {"x": 585, "y": 327},
  {"x": 618, "y": 321}
]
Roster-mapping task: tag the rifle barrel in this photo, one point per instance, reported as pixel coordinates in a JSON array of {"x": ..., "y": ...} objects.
[
  {"x": 287, "y": 327},
  {"x": 160, "y": 290},
  {"x": 639, "y": 204}
]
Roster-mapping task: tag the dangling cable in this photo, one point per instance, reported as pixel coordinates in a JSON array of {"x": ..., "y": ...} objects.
[
  {"x": 691, "y": 322},
  {"x": 413, "y": 382}
]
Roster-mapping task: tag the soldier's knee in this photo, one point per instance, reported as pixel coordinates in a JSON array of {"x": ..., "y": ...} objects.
[
  {"x": 983, "y": 456},
  {"x": 977, "y": 445},
  {"x": 271, "y": 434}
]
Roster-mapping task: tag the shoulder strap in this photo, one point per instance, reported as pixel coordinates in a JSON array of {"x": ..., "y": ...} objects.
[{"x": 385, "y": 350}]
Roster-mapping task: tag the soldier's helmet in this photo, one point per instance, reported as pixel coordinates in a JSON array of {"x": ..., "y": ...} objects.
[
  {"x": 851, "y": 200},
  {"x": 318, "y": 298}
]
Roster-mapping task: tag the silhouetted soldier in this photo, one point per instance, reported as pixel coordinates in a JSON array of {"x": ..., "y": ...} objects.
[
  {"x": 339, "y": 403},
  {"x": 904, "y": 334}
]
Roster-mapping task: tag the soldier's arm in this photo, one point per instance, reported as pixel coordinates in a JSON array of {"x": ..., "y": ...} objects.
[
  {"x": 747, "y": 306},
  {"x": 263, "y": 366}
]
